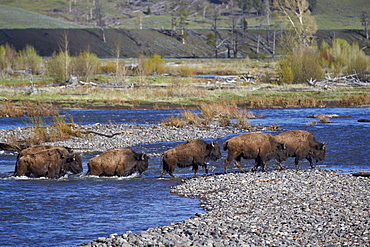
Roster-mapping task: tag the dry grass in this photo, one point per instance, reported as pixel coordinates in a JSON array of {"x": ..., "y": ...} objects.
[
  {"x": 222, "y": 114},
  {"x": 30, "y": 109},
  {"x": 60, "y": 130}
]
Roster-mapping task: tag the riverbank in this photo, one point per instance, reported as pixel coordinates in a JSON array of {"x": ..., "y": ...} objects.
[
  {"x": 277, "y": 208},
  {"x": 95, "y": 138}
]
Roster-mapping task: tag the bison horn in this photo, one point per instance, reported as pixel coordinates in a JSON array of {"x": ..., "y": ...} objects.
[{"x": 212, "y": 144}]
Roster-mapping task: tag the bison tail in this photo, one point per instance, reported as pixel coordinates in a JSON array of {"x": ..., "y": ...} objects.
[{"x": 225, "y": 145}]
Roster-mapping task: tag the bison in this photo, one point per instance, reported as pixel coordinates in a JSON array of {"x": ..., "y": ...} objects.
[
  {"x": 194, "y": 152},
  {"x": 302, "y": 145},
  {"x": 118, "y": 162},
  {"x": 258, "y": 146},
  {"x": 47, "y": 161}
]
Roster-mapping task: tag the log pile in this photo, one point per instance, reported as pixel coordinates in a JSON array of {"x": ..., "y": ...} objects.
[{"x": 353, "y": 80}]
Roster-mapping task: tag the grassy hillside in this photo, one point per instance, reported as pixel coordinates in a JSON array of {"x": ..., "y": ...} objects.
[
  {"x": 340, "y": 14},
  {"x": 330, "y": 14},
  {"x": 11, "y": 17}
]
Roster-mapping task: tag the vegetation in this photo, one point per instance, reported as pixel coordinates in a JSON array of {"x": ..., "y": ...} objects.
[
  {"x": 339, "y": 14},
  {"x": 157, "y": 81},
  {"x": 216, "y": 113}
]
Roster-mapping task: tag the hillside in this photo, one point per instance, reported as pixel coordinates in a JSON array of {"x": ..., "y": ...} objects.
[
  {"x": 42, "y": 23},
  {"x": 11, "y": 17},
  {"x": 149, "y": 42},
  {"x": 133, "y": 14}
]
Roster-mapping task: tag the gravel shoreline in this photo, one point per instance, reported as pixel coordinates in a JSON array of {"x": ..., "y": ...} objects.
[
  {"x": 277, "y": 208},
  {"x": 103, "y": 137}
]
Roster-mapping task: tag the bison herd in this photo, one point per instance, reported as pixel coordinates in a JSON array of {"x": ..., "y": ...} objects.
[{"x": 54, "y": 161}]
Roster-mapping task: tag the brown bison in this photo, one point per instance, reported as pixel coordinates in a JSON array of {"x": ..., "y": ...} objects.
[
  {"x": 302, "y": 145},
  {"x": 193, "y": 153},
  {"x": 47, "y": 161},
  {"x": 118, "y": 162},
  {"x": 258, "y": 146}
]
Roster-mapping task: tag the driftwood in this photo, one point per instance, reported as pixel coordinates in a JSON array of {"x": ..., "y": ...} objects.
[
  {"x": 105, "y": 135},
  {"x": 345, "y": 80},
  {"x": 364, "y": 120},
  {"x": 361, "y": 174},
  {"x": 10, "y": 147}
]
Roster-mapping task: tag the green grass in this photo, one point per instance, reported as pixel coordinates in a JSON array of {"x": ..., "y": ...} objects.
[
  {"x": 13, "y": 18},
  {"x": 340, "y": 14},
  {"x": 329, "y": 14}
]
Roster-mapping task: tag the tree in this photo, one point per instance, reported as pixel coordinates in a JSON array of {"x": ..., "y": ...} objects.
[
  {"x": 99, "y": 17},
  {"x": 298, "y": 17},
  {"x": 365, "y": 20}
]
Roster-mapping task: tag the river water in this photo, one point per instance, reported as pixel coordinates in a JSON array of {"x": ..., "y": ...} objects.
[{"x": 80, "y": 208}]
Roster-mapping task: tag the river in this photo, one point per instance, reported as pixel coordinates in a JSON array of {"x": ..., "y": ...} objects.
[{"x": 80, "y": 208}]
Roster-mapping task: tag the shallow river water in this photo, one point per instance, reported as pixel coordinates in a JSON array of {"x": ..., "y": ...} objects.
[{"x": 79, "y": 208}]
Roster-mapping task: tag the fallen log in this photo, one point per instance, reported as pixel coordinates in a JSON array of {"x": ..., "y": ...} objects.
[
  {"x": 361, "y": 174},
  {"x": 364, "y": 120}
]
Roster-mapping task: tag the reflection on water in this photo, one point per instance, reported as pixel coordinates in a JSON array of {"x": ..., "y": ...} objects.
[{"x": 79, "y": 208}]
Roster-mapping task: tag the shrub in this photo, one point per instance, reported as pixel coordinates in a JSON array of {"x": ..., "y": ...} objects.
[
  {"x": 153, "y": 64},
  {"x": 59, "y": 66},
  {"x": 285, "y": 71},
  {"x": 108, "y": 67},
  {"x": 7, "y": 58},
  {"x": 28, "y": 59},
  {"x": 303, "y": 64},
  {"x": 86, "y": 65},
  {"x": 343, "y": 58}
]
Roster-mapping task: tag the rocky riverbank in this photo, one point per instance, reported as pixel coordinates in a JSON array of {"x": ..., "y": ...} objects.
[
  {"x": 102, "y": 137},
  {"x": 288, "y": 208}
]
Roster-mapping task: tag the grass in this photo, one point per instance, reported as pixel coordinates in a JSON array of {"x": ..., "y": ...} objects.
[
  {"x": 329, "y": 14},
  {"x": 11, "y": 17},
  {"x": 173, "y": 90},
  {"x": 340, "y": 14},
  {"x": 215, "y": 113}
]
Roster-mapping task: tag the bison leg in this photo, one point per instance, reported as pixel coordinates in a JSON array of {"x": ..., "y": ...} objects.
[
  {"x": 296, "y": 161},
  {"x": 237, "y": 163},
  {"x": 255, "y": 167},
  {"x": 259, "y": 162},
  {"x": 21, "y": 170},
  {"x": 169, "y": 171},
  {"x": 311, "y": 162},
  {"x": 205, "y": 167},
  {"x": 280, "y": 165}
]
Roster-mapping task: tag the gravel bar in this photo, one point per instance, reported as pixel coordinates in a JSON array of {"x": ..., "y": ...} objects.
[
  {"x": 103, "y": 137},
  {"x": 277, "y": 208}
]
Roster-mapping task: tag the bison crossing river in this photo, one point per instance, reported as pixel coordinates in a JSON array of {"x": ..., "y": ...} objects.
[{"x": 54, "y": 161}]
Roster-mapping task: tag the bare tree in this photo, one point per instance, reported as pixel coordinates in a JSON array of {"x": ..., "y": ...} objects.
[
  {"x": 99, "y": 17},
  {"x": 365, "y": 20},
  {"x": 298, "y": 16}
]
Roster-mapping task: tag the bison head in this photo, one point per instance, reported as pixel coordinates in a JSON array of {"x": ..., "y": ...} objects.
[
  {"x": 73, "y": 163},
  {"x": 318, "y": 152},
  {"x": 281, "y": 152},
  {"x": 142, "y": 162},
  {"x": 215, "y": 152}
]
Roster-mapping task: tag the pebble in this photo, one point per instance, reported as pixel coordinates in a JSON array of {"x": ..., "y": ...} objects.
[{"x": 277, "y": 208}]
